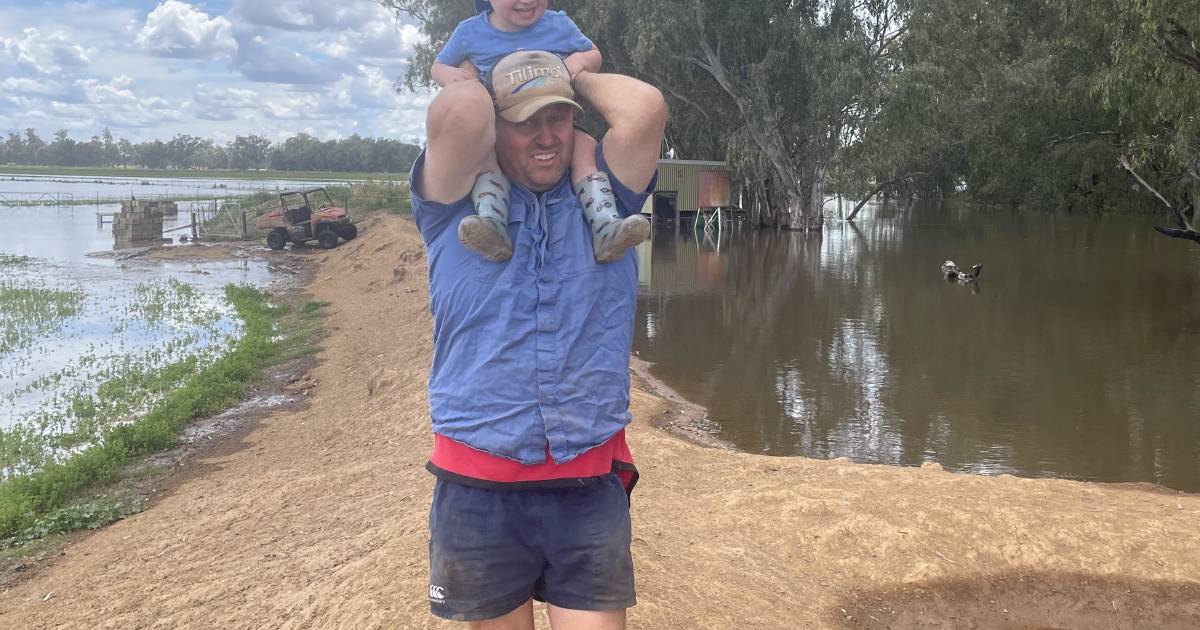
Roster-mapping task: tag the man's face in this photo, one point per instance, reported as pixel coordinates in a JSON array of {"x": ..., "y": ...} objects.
[
  {"x": 536, "y": 153},
  {"x": 515, "y": 15}
]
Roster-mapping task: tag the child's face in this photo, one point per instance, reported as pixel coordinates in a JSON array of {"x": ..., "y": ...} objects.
[{"x": 514, "y": 15}]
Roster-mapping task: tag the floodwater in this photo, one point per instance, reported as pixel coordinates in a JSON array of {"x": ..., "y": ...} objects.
[
  {"x": 38, "y": 188},
  {"x": 1076, "y": 355},
  {"x": 132, "y": 312}
]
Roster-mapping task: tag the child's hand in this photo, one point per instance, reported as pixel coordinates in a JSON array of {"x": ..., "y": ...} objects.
[
  {"x": 444, "y": 75},
  {"x": 454, "y": 75},
  {"x": 588, "y": 60},
  {"x": 574, "y": 65}
]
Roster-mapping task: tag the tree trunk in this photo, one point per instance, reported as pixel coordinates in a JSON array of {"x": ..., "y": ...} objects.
[
  {"x": 805, "y": 213},
  {"x": 772, "y": 144}
]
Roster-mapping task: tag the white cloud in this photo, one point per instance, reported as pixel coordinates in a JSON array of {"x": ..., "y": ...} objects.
[
  {"x": 177, "y": 29},
  {"x": 379, "y": 40},
  {"x": 146, "y": 69},
  {"x": 309, "y": 15},
  {"x": 43, "y": 89},
  {"x": 226, "y": 98},
  {"x": 261, "y": 60},
  {"x": 38, "y": 54}
]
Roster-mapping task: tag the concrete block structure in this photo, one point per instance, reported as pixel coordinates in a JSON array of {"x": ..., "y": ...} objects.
[{"x": 140, "y": 222}]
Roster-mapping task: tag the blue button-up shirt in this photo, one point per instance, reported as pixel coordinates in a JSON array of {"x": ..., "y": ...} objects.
[{"x": 534, "y": 350}]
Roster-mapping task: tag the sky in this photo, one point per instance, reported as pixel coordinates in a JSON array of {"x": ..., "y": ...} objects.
[{"x": 217, "y": 69}]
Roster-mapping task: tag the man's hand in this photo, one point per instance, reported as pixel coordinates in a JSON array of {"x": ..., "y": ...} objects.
[{"x": 636, "y": 114}]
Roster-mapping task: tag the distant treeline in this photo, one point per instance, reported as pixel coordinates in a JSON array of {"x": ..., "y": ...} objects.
[{"x": 301, "y": 152}]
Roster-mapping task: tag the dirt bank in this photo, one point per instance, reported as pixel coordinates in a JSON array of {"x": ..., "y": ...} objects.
[{"x": 316, "y": 518}]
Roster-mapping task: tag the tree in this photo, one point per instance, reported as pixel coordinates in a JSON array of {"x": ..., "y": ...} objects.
[
  {"x": 35, "y": 147},
  {"x": 778, "y": 88},
  {"x": 62, "y": 150},
  {"x": 1151, "y": 81},
  {"x": 14, "y": 149},
  {"x": 110, "y": 154},
  {"x": 125, "y": 152},
  {"x": 994, "y": 99},
  {"x": 247, "y": 152}
]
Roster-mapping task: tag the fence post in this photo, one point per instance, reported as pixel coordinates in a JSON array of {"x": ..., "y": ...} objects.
[
  {"x": 245, "y": 230},
  {"x": 195, "y": 228}
]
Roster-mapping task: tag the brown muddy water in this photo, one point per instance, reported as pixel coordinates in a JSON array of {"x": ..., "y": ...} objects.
[{"x": 1076, "y": 355}]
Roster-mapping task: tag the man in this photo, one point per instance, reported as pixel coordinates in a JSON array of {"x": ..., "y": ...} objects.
[{"x": 529, "y": 391}]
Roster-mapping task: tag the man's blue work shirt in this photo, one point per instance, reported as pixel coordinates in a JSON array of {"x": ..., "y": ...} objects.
[{"x": 534, "y": 350}]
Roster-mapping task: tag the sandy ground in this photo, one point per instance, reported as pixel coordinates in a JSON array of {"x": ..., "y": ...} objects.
[{"x": 316, "y": 518}]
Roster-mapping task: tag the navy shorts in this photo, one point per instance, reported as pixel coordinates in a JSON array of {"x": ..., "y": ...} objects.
[{"x": 491, "y": 550}]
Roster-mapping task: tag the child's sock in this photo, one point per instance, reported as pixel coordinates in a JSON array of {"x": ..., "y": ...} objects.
[
  {"x": 611, "y": 235},
  {"x": 487, "y": 232}
]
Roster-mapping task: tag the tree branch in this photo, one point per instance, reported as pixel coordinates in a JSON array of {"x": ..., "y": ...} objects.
[
  {"x": 1083, "y": 134},
  {"x": 878, "y": 188},
  {"x": 1185, "y": 229},
  {"x": 1175, "y": 41}
]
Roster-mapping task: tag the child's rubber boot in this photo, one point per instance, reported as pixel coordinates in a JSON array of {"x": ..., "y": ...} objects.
[
  {"x": 487, "y": 231},
  {"x": 612, "y": 236}
]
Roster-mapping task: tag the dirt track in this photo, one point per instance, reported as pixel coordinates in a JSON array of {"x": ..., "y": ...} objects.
[{"x": 317, "y": 518}]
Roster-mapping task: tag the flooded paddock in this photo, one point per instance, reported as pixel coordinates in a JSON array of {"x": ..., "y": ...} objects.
[
  {"x": 90, "y": 336},
  {"x": 1076, "y": 354}
]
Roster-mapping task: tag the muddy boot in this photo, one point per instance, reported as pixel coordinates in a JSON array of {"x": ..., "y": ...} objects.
[
  {"x": 487, "y": 231},
  {"x": 611, "y": 235}
]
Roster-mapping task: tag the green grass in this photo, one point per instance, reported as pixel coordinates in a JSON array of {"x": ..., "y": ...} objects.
[
  {"x": 180, "y": 174},
  {"x": 32, "y": 501},
  {"x": 27, "y": 312},
  {"x": 88, "y": 515}
]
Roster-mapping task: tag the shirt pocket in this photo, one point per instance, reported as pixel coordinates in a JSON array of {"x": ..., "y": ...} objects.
[
  {"x": 488, "y": 272},
  {"x": 571, "y": 245}
]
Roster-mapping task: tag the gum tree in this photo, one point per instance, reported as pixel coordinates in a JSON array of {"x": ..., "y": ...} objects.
[
  {"x": 780, "y": 88},
  {"x": 1152, "y": 80}
]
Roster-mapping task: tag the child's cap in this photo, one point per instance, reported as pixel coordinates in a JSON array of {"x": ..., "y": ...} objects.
[
  {"x": 528, "y": 80},
  {"x": 482, "y": 5}
]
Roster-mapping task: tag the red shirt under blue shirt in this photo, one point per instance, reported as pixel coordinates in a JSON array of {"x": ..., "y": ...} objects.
[{"x": 530, "y": 380}]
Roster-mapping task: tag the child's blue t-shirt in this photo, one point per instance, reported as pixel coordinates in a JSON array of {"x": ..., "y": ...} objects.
[{"x": 483, "y": 44}]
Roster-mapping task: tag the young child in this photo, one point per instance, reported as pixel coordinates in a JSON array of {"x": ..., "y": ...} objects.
[{"x": 503, "y": 27}]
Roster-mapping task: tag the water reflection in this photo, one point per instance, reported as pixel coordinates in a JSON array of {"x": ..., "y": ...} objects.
[{"x": 1078, "y": 357}]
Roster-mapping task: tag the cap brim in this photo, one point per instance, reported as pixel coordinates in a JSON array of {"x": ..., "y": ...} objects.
[{"x": 521, "y": 112}]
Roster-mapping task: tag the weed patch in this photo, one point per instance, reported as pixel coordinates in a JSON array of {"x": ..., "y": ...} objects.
[
  {"x": 53, "y": 460},
  {"x": 27, "y": 311}
]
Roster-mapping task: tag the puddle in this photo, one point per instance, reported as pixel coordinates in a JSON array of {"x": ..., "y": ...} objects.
[{"x": 1044, "y": 601}]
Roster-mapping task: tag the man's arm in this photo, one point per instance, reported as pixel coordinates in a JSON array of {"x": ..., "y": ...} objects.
[
  {"x": 461, "y": 132},
  {"x": 636, "y": 114}
]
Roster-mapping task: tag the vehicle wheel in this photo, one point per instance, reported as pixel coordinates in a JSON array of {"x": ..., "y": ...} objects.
[
  {"x": 276, "y": 239},
  {"x": 328, "y": 239},
  {"x": 348, "y": 231}
]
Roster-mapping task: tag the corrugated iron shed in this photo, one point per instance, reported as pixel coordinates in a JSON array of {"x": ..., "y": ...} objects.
[{"x": 693, "y": 184}]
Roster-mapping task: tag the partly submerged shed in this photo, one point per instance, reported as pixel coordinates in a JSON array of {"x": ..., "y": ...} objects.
[{"x": 685, "y": 186}]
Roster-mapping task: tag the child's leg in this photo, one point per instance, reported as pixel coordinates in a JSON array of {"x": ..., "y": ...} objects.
[
  {"x": 487, "y": 231},
  {"x": 611, "y": 235}
]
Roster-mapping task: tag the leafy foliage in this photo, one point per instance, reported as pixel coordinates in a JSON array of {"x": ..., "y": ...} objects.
[
  {"x": 1013, "y": 102},
  {"x": 301, "y": 152}
]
